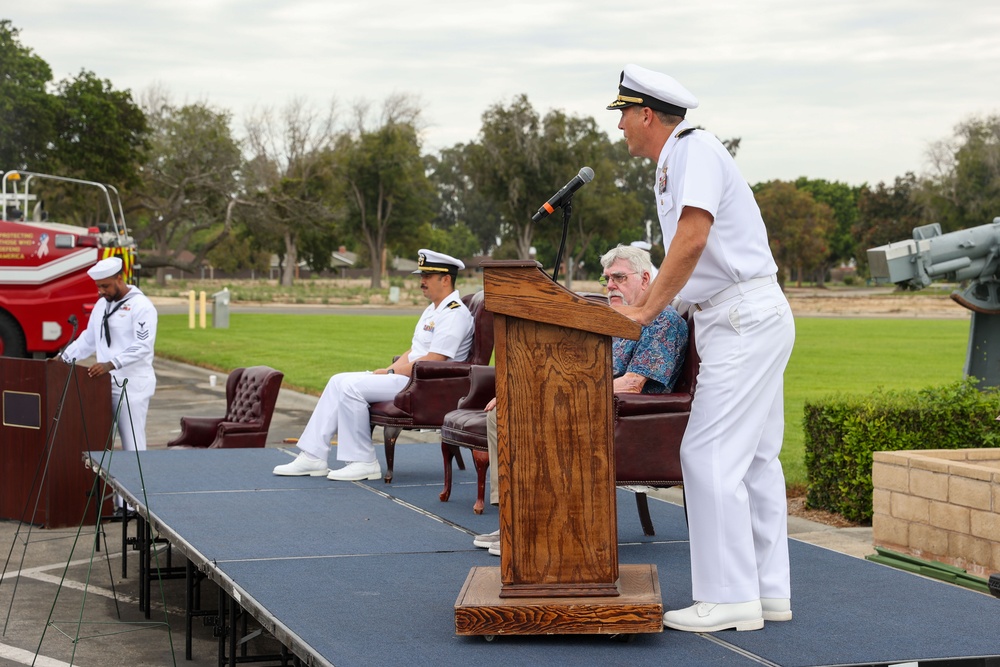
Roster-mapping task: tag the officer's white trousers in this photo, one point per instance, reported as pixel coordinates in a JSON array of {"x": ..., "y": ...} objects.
[
  {"x": 133, "y": 410},
  {"x": 342, "y": 410},
  {"x": 733, "y": 482}
]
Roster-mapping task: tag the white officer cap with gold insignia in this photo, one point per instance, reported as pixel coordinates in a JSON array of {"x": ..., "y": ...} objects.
[
  {"x": 657, "y": 91},
  {"x": 105, "y": 268},
  {"x": 429, "y": 261}
]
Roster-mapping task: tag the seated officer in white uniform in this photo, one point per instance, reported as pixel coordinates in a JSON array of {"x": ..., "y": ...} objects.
[{"x": 443, "y": 333}]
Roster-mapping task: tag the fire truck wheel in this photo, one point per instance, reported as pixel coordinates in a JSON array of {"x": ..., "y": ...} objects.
[{"x": 11, "y": 337}]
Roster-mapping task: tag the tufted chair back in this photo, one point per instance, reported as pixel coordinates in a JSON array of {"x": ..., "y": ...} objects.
[
  {"x": 482, "y": 338},
  {"x": 244, "y": 395}
]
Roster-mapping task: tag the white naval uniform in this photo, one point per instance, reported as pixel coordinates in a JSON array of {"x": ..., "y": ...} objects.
[
  {"x": 133, "y": 334},
  {"x": 733, "y": 482},
  {"x": 343, "y": 407}
]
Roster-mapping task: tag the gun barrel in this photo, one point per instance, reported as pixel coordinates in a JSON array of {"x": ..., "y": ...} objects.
[{"x": 961, "y": 255}]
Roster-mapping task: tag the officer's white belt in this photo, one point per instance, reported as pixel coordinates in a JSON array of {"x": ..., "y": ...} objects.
[{"x": 736, "y": 289}]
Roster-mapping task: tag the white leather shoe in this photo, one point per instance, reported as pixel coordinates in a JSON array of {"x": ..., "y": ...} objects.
[
  {"x": 494, "y": 549},
  {"x": 301, "y": 466},
  {"x": 487, "y": 540},
  {"x": 710, "y": 617},
  {"x": 776, "y": 609},
  {"x": 356, "y": 471}
]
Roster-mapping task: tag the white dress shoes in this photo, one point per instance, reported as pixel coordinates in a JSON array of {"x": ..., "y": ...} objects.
[
  {"x": 356, "y": 471},
  {"x": 776, "y": 609},
  {"x": 304, "y": 464},
  {"x": 711, "y": 617},
  {"x": 487, "y": 540}
]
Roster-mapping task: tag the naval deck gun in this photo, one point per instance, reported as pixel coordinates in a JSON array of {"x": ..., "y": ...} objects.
[{"x": 970, "y": 257}]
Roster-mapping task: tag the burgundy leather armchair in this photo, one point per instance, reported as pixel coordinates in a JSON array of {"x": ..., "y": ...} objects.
[
  {"x": 251, "y": 394},
  {"x": 466, "y": 427},
  {"x": 435, "y": 387},
  {"x": 648, "y": 433}
]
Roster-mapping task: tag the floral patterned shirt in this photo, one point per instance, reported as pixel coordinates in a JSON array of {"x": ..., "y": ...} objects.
[{"x": 658, "y": 355}]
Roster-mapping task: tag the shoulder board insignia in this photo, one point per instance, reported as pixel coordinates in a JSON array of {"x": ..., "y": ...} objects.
[
  {"x": 453, "y": 305},
  {"x": 684, "y": 133}
]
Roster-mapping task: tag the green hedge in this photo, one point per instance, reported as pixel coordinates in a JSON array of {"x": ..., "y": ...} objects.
[{"x": 841, "y": 432}]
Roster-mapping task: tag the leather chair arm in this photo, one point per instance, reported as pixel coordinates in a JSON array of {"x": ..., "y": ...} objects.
[
  {"x": 629, "y": 405},
  {"x": 436, "y": 370},
  {"x": 482, "y": 388},
  {"x": 196, "y": 431},
  {"x": 232, "y": 435},
  {"x": 434, "y": 389},
  {"x": 233, "y": 428}
]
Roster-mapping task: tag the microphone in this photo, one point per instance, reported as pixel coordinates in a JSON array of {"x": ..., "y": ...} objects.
[
  {"x": 71, "y": 320},
  {"x": 585, "y": 176}
]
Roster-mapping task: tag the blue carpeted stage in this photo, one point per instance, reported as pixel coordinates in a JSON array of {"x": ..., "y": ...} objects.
[{"x": 368, "y": 573}]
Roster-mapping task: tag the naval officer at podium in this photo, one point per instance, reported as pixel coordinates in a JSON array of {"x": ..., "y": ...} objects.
[{"x": 718, "y": 258}]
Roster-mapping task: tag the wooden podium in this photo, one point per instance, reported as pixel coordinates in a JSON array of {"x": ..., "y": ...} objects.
[
  {"x": 30, "y": 393},
  {"x": 559, "y": 571}
]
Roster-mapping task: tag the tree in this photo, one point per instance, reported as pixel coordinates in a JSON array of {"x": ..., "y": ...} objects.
[
  {"x": 289, "y": 176},
  {"x": 380, "y": 173},
  {"x": 797, "y": 227},
  {"x": 100, "y": 132},
  {"x": 507, "y": 165},
  {"x": 603, "y": 214},
  {"x": 843, "y": 201},
  {"x": 965, "y": 186},
  {"x": 189, "y": 183},
  {"x": 459, "y": 201},
  {"x": 887, "y": 214},
  {"x": 27, "y": 113}
]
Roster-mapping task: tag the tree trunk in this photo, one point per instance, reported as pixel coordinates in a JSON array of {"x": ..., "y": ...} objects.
[
  {"x": 376, "y": 260},
  {"x": 291, "y": 260},
  {"x": 163, "y": 250}
]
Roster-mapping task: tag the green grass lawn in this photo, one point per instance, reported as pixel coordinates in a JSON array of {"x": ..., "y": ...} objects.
[{"x": 831, "y": 355}]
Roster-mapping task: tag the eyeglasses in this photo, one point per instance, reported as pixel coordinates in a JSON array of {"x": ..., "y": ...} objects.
[{"x": 618, "y": 278}]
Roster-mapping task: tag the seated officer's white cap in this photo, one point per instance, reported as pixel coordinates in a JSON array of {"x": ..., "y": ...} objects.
[
  {"x": 429, "y": 261},
  {"x": 105, "y": 268},
  {"x": 657, "y": 91}
]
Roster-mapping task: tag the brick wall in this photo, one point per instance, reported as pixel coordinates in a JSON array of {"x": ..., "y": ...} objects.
[{"x": 939, "y": 504}]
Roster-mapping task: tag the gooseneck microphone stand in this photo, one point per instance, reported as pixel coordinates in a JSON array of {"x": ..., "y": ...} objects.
[{"x": 567, "y": 209}]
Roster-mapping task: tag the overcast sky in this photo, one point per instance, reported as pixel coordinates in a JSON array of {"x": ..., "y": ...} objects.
[{"x": 849, "y": 90}]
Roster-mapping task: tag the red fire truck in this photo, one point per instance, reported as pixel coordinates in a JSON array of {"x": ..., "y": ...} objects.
[{"x": 46, "y": 295}]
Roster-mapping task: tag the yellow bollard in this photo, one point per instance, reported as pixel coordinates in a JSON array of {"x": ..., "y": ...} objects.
[
  {"x": 202, "y": 322},
  {"x": 191, "y": 309}
]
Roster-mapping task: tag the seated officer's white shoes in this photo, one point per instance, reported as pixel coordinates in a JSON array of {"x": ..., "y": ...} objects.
[
  {"x": 356, "y": 471},
  {"x": 710, "y": 617},
  {"x": 776, "y": 609},
  {"x": 303, "y": 465}
]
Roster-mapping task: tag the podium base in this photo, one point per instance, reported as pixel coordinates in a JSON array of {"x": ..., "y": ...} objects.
[{"x": 480, "y": 610}]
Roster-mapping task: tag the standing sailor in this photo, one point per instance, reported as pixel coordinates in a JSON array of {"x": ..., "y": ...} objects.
[{"x": 122, "y": 332}]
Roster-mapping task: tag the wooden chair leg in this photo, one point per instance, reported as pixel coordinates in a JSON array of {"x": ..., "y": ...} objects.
[
  {"x": 389, "y": 435},
  {"x": 642, "y": 504},
  {"x": 482, "y": 463},
  {"x": 447, "y": 453}
]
